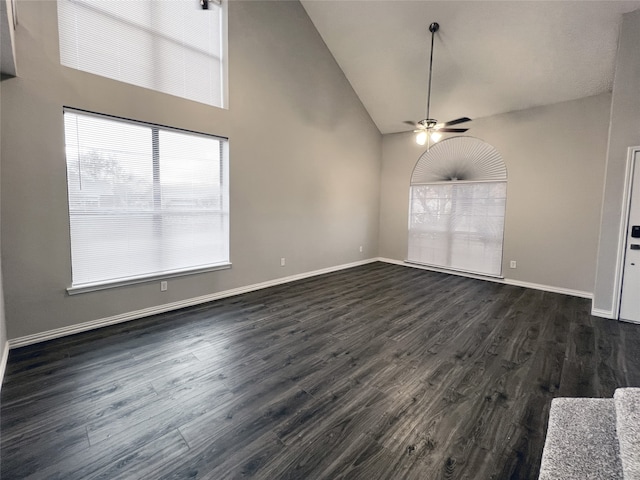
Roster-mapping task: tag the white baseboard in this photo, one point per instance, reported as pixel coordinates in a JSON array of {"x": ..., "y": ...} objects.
[
  {"x": 167, "y": 307},
  {"x": 125, "y": 317},
  {"x": 598, "y": 312},
  {"x": 506, "y": 281},
  {"x": 3, "y": 362},
  {"x": 549, "y": 288},
  {"x": 439, "y": 270}
]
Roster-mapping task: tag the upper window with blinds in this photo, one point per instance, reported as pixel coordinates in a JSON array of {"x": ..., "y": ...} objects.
[
  {"x": 171, "y": 46},
  {"x": 144, "y": 201}
]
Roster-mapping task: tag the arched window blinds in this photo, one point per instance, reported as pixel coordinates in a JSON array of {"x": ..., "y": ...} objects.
[{"x": 457, "y": 207}]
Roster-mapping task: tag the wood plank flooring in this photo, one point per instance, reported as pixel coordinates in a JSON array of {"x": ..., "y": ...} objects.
[{"x": 377, "y": 372}]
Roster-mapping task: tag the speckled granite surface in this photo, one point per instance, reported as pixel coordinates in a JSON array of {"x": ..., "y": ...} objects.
[
  {"x": 627, "y": 402},
  {"x": 581, "y": 441}
]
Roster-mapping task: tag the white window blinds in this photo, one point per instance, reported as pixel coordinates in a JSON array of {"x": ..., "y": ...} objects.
[
  {"x": 458, "y": 226},
  {"x": 172, "y": 46},
  {"x": 457, "y": 207},
  {"x": 144, "y": 200}
]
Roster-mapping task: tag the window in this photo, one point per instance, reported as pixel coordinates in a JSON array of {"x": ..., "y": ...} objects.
[
  {"x": 172, "y": 46},
  {"x": 144, "y": 201},
  {"x": 457, "y": 207}
]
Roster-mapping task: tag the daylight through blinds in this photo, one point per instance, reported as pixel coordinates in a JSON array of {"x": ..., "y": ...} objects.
[
  {"x": 172, "y": 46},
  {"x": 457, "y": 207},
  {"x": 458, "y": 226},
  {"x": 143, "y": 200}
]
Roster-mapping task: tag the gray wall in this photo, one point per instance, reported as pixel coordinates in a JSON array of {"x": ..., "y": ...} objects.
[
  {"x": 3, "y": 326},
  {"x": 304, "y": 164},
  {"x": 625, "y": 132},
  {"x": 555, "y": 163}
]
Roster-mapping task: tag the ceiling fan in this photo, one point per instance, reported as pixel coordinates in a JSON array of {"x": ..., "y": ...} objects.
[{"x": 429, "y": 128}]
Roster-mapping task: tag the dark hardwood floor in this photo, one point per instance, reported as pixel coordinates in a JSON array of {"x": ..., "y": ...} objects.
[{"x": 377, "y": 372}]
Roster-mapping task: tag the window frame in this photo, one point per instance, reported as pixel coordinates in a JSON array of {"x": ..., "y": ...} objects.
[
  {"x": 154, "y": 128},
  {"x": 453, "y": 214}
]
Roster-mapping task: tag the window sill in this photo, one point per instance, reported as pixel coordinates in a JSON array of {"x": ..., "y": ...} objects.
[
  {"x": 93, "y": 287},
  {"x": 454, "y": 271}
]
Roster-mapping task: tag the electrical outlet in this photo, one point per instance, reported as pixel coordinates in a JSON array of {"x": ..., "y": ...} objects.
[
  {"x": 282, "y": 262},
  {"x": 163, "y": 286},
  {"x": 360, "y": 248},
  {"x": 512, "y": 264}
]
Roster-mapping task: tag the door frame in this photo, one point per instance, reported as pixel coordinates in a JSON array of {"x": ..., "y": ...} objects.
[{"x": 632, "y": 163}]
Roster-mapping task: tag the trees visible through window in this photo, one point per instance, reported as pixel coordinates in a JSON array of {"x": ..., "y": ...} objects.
[{"x": 144, "y": 200}]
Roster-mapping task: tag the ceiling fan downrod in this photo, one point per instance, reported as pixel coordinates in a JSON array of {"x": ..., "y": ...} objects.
[
  {"x": 433, "y": 28},
  {"x": 429, "y": 128}
]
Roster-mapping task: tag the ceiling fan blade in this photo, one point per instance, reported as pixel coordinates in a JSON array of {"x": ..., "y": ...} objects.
[
  {"x": 457, "y": 121},
  {"x": 409, "y": 122},
  {"x": 452, "y": 130}
]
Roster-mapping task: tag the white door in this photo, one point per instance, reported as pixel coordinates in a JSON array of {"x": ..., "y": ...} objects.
[{"x": 630, "y": 299}]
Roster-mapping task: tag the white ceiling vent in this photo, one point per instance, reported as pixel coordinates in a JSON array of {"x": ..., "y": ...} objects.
[{"x": 459, "y": 159}]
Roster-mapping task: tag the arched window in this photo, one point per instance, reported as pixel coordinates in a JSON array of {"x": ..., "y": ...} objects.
[{"x": 457, "y": 207}]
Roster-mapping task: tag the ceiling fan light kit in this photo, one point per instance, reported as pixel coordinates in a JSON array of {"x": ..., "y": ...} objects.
[{"x": 429, "y": 128}]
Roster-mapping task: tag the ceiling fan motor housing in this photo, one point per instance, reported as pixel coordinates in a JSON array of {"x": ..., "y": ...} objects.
[{"x": 428, "y": 123}]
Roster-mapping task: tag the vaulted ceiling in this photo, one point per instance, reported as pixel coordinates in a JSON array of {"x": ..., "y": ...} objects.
[{"x": 490, "y": 57}]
